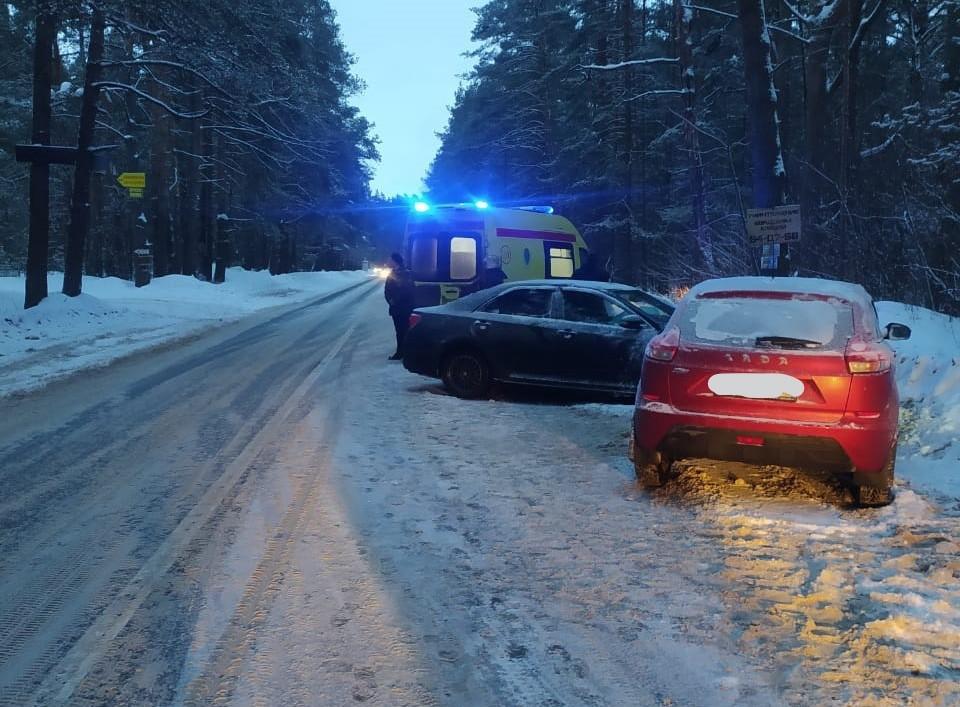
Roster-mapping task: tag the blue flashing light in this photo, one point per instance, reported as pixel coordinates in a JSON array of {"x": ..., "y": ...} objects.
[
  {"x": 421, "y": 207},
  {"x": 481, "y": 204}
]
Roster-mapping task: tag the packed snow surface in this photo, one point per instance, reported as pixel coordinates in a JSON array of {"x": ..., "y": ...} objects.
[{"x": 113, "y": 318}]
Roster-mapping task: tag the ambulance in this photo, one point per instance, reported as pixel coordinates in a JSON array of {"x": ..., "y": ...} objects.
[{"x": 447, "y": 246}]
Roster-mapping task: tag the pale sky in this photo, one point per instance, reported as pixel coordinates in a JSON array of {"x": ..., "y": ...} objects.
[{"x": 409, "y": 54}]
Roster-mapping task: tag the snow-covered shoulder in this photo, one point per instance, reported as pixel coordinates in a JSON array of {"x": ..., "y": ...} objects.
[
  {"x": 928, "y": 377},
  {"x": 113, "y": 318}
]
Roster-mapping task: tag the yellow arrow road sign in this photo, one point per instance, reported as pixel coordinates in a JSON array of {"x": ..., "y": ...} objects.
[{"x": 133, "y": 180}]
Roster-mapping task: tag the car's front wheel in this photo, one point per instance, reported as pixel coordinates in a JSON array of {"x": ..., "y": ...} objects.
[
  {"x": 466, "y": 374},
  {"x": 880, "y": 491}
]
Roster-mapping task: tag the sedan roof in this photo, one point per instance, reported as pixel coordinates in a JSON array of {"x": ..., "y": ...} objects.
[{"x": 592, "y": 284}]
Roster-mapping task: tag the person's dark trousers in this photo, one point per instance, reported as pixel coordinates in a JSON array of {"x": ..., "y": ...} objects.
[{"x": 401, "y": 322}]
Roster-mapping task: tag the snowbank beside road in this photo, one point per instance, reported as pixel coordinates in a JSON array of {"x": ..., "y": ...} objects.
[
  {"x": 112, "y": 318},
  {"x": 928, "y": 375}
]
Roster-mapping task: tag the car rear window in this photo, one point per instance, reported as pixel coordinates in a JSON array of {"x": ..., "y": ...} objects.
[{"x": 750, "y": 322}]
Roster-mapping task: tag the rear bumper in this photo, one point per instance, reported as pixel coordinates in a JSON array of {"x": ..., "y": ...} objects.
[
  {"x": 420, "y": 359},
  {"x": 861, "y": 446}
]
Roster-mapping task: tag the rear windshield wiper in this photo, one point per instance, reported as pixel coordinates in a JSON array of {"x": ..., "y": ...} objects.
[{"x": 787, "y": 342}]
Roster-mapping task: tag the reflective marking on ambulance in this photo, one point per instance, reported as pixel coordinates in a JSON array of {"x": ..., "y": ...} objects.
[
  {"x": 431, "y": 227},
  {"x": 536, "y": 235}
]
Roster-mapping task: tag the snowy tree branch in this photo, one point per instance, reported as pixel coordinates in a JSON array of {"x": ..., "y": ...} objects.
[
  {"x": 732, "y": 16},
  {"x": 118, "y": 86},
  {"x": 632, "y": 62}
]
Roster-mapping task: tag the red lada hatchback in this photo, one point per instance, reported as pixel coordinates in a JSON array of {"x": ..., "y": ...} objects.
[{"x": 788, "y": 371}]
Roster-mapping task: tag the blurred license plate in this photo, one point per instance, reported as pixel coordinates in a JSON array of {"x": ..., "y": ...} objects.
[{"x": 758, "y": 386}]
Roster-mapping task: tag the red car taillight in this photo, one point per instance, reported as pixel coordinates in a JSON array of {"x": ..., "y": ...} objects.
[
  {"x": 414, "y": 320},
  {"x": 663, "y": 347},
  {"x": 867, "y": 357}
]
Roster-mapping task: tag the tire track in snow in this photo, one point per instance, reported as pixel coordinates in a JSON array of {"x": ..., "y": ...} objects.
[
  {"x": 62, "y": 680},
  {"x": 218, "y": 679},
  {"x": 861, "y": 605}
]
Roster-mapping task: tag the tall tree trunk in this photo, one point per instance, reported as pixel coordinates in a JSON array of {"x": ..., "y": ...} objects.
[
  {"x": 766, "y": 157},
  {"x": 80, "y": 206},
  {"x": 623, "y": 265},
  {"x": 222, "y": 227},
  {"x": 206, "y": 205},
  {"x": 39, "y": 241},
  {"x": 849, "y": 150},
  {"x": 94, "y": 257},
  {"x": 816, "y": 54},
  {"x": 160, "y": 200},
  {"x": 189, "y": 194},
  {"x": 683, "y": 19}
]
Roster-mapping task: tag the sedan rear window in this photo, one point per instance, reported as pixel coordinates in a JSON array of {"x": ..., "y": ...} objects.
[
  {"x": 587, "y": 307},
  {"x": 796, "y": 323},
  {"x": 523, "y": 302},
  {"x": 653, "y": 308}
]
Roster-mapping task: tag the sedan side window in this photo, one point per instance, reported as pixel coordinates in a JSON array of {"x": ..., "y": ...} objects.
[
  {"x": 590, "y": 308},
  {"x": 522, "y": 302}
]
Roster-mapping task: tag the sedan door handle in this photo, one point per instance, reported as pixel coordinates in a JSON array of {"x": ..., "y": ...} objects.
[
  {"x": 567, "y": 334},
  {"x": 481, "y": 325}
]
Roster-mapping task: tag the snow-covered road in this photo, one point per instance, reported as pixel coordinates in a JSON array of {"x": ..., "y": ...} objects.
[{"x": 278, "y": 515}]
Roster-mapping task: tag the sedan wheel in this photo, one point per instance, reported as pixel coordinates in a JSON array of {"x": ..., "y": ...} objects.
[{"x": 466, "y": 375}]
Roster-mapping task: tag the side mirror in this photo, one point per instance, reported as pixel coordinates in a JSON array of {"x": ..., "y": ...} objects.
[
  {"x": 632, "y": 321},
  {"x": 897, "y": 332}
]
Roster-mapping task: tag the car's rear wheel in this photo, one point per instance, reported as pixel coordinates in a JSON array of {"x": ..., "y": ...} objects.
[
  {"x": 652, "y": 468},
  {"x": 466, "y": 374},
  {"x": 880, "y": 492}
]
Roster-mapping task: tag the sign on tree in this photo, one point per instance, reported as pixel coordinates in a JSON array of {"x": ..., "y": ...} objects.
[{"x": 777, "y": 225}]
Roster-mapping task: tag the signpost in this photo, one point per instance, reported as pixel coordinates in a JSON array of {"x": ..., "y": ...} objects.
[
  {"x": 134, "y": 183},
  {"x": 773, "y": 230},
  {"x": 780, "y": 224}
]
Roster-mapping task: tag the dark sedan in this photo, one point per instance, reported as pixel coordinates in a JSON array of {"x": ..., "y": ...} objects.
[{"x": 567, "y": 334}]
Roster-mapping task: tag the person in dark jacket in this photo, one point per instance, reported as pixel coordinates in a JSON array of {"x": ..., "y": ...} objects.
[
  {"x": 398, "y": 292},
  {"x": 492, "y": 274},
  {"x": 590, "y": 269}
]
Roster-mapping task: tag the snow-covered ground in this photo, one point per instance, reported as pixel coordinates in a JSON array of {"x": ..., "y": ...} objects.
[
  {"x": 928, "y": 375},
  {"x": 337, "y": 530},
  {"x": 113, "y": 319}
]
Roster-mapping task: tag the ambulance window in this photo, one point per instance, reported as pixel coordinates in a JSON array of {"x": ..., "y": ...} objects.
[
  {"x": 463, "y": 258},
  {"x": 561, "y": 261},
  {"x": 423, "y": 257}
]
